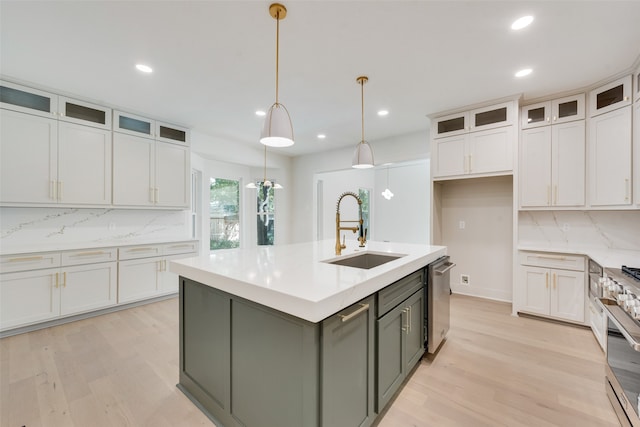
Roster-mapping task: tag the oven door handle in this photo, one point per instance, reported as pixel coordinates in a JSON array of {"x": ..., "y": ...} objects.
[{"x": 623, "y": 322}]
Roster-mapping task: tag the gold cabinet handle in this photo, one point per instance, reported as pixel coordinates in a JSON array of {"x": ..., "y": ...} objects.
[
  {"x": 346, "y": 318},
  {"x": 64, "y": 276},
  {"x": 555, "y": 194},
  {"x": 546, "y": 280},
  {"x": 470, "y": 163},
  {"x": 27, "y": 259},
  {"x": 91, "y": 253},
  {"x": 556, "y": 257},
  {"x": 145, "y": 249},
  {"x": 57, "y": 282}
]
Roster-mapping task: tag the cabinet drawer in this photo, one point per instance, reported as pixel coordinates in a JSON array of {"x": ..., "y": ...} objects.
[
  {"x": 24, "y": 262},
  {"x": 180, "y": 248},
  {"x": 397, "y": 292},
  {"x": 553, "y": 260},
  {"x": 89, "y": 256},
  {"x": 133, "y": 252}
]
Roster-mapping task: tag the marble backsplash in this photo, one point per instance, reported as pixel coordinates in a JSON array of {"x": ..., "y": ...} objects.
[
  {"x": 587, "y": 229},
  {"x": 47, "y": 228}
]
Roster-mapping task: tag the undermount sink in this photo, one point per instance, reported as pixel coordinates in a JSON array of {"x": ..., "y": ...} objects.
[{"x": 365, "y": 260}]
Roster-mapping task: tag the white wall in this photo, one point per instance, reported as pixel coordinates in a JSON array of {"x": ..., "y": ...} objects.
[
  {"x": 483, "y": 248},
  {"x": 304, "y": 168},
  {"x": 407, "y": 216}
]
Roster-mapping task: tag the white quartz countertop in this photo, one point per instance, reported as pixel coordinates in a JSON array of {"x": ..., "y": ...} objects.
[
  {"x": 612, "y": 258},
  {"x": 293, "y": 279}
]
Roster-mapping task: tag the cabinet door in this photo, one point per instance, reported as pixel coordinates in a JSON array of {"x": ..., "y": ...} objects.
[
  {"x": 347, "y": 366},
  {"x": 29, "y": 297},
  {"x": 88, "y": 287},
  {"x": 138, "y": 279},
  {"x": 390, "y": 354},
  {"x": 491, "y": 117},
  {"x": 28, "y": 158},
  {"x": 535, "y": 289},
  {"x": 133, "y": 125},
  {"x": 535, "y": 167},
  {"x": 84, "y": 164},
  {"x": 450, "y": 156},
  {"x": 567, "y": 109},
  {"x": 414, "y": 336},
  {"x": 636, "y": 153},
  {"x": 610, "y": 158},
  {"x": 171, "y": 133},
  {"x": 536, "y": 115},
  {"x": 172, "y": 175},
  {"x": 491, "y": 151},
  {"x": 28, "y": 100},
  {"x": 453, "y": 124},
  {"x": 636, "y": 85},
  {"x": 612, "y": 96},
  {"x": 568, "y": 165},
  {"x": 132, "y": 170},
  {"x": 568, "y": 294},
  {"x": 84, "y": 113}
]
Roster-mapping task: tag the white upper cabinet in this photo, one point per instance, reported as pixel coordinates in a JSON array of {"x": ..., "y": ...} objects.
[
  {"x": 27, "y": 100},
  {"x": 610, "y": 163},
  {"x": 29, "y": 158},
  {"x": 84, "y": 113},
  {"x": 474, "y": 143},
  {"x": 553, "y": 112},
  {"x": 553, "y": 153},
  {"x": 612, "y": 96}
]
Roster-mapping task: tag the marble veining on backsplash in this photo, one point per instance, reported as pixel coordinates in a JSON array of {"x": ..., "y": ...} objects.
[
  {"x": 22, "y": 227},
  {"x": 588, "y": 229}
]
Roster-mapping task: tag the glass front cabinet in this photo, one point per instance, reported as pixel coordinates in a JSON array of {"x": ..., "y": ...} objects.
[
  {"x": 611, "y": 96},
  {"x": 557, "y": 111}
]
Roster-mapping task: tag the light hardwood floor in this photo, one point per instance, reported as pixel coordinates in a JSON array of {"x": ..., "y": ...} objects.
[{"x": 121, "y": 369}]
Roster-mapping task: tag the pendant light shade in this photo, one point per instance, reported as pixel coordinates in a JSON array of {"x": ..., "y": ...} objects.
[
  {"x": 363, "y": 156},
  {"x": 277, "y": 130}
]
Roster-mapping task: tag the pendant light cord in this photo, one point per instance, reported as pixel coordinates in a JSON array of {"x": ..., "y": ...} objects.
[
  {"x": 265, "y": 165},
  {"x": 277, "y": 50},
  {"x": 362, "y": 99}
]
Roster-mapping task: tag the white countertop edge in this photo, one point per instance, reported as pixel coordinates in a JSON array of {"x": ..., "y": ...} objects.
[
  {"x": 303, "y": 307},
  {"x": 20, "y": 250},
  {"x": 611, "y": 258}
]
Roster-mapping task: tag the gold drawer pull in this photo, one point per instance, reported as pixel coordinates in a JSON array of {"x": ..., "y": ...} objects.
[
  {"x": 89, "y": 253},
  {"x": 556, "y": 257},
  {"x": 26, "y": 259},
  {"x": 140, "y": 249}
]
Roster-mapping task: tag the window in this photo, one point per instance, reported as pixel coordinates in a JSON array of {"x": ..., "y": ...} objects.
[
  {"x": 363, "y": 194},
  {"x": 224, "y": 208},
  {"x": 266, "y": 209}
]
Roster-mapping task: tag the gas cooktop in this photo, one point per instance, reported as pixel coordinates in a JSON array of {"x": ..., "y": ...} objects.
[{"x": 631, "y": 271}]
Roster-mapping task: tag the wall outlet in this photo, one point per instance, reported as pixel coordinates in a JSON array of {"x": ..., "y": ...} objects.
[
  {"x": 464, "y": 279},
  {"x": 462, "y": 225}
]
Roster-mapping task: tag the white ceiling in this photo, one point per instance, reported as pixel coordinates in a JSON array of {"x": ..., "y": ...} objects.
[{"x": 214, "y": 61}]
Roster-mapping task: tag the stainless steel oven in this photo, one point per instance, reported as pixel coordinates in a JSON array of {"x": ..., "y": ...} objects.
[{"x": 621, "y": 303}]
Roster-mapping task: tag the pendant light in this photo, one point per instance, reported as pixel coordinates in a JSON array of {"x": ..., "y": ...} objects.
[
  {"x": 265, "y": 182},
  {"x": 387, "y": 194},
  {"x": 277, "y": 130},
  {"x": 363, "y": 156}
]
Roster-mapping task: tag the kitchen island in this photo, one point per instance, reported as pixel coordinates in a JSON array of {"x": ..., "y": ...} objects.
[{"x": 279, "y": 336}]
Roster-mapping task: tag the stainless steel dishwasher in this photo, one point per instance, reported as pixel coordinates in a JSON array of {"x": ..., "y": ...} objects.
[{"x": 437, "y": 310}]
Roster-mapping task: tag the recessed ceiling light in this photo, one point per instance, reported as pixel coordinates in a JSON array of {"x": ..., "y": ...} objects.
[
  {"x": 260, "y": 113},
  {"x": 144, "y": 68},
  {"x": 524, "y": 72},
  {"x": 321, "y": 136},
  {"x": 383, "y": 112},
  {"x": 520, "y": 23}
]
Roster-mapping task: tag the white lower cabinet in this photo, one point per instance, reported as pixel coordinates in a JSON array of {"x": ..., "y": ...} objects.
[
  {"x": 554, "y": 292},
  {"x": 144, "y": 271},
  {"x": 33, "y": 296}
]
